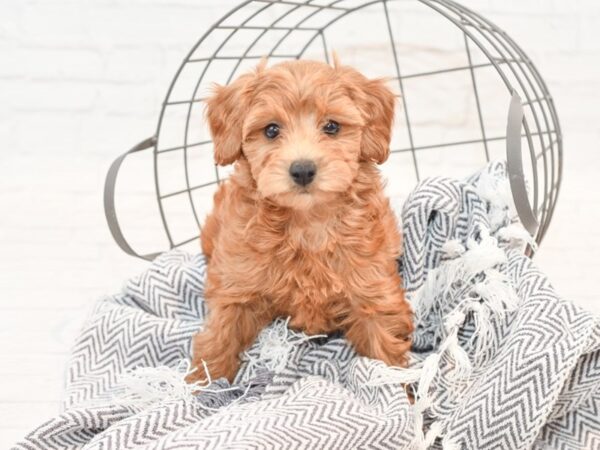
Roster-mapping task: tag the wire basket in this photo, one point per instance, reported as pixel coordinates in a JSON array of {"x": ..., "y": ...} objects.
[{"x": 457, "y": 76}]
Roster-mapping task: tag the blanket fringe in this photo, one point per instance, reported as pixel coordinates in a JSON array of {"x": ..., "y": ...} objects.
[
  {"x": 275, "y": 345},
  {"x": 470, "y": 273},
  {"x": 516, "y": 236},
  {"x": 144, "y": 388},
  {"x": 496, "y": 191}
]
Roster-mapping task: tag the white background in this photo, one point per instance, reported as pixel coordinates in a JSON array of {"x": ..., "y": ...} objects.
[{"x": 81, "y": 81}]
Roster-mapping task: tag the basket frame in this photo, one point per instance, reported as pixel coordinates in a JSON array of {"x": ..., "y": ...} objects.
[{"x": 476, "y": 30}]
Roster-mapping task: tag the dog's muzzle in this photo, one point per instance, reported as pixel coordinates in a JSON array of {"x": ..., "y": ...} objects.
[{"x": 303, "y": 172}]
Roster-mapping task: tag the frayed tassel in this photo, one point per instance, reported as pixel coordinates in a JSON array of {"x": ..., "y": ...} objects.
[
  {"x": 497, "y": 293},
  {"x": 495, "y": 190},
  {"x": 496, "y": 298},
  {"x": 419, "y": 439},
  {"x": 383, "y": 374},
  {"x": 435, "y": 430},
  {"x": 423, "y": 400},
  {"x": 482, "y": 256},
  {"x": 454, "y": 320},
  {"x": 482, "y": 335},
  {"x": 428, "y": 372},
  {"x": 462, "y": 363},
  {"x": 478, "y": 258},
  {"x": 433, "y": 294},
  {"x": 424, "y": 375},
  {"x": 144, "y": 388},
  {"x": 275, "y": 345},
  {"x": 453, "y": 248},
  {"x": 471, "y": 282},
  {"x": 516, "y": 235}
]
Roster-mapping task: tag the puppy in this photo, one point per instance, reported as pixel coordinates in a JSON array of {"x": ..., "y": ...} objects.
[{"x": 302, "y": 227}]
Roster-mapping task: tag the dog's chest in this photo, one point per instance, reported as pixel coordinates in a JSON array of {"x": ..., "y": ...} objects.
[
  {"x": 310, "y": 270},
  {"x": 308, "y": 277},
  {"x": 316, "y": 239},
  {"x": 313, "y": 293}
]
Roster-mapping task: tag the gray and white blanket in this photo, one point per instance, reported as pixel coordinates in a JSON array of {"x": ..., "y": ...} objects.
[{"x": 499, "y": 360}]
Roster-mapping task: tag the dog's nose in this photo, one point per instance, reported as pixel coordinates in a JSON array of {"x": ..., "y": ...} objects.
[{"x": 303, "y": 171}]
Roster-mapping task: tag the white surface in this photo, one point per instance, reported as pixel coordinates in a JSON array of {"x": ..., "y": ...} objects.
[{"x": 81, "y": 81}]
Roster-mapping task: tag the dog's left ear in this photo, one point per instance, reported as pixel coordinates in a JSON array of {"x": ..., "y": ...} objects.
[
  {"x": 378, "y": 110},
  {"x": 225, "y": 115},
  {"x": 376, "y": 103}
]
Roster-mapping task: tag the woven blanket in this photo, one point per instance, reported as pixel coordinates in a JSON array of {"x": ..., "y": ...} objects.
[{"x": 499, "y": 360}]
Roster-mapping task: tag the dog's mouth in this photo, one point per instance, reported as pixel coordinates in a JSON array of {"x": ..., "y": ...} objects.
[
  {"x": 312, "y": 188},
  {"x": 305, "y": 198}
]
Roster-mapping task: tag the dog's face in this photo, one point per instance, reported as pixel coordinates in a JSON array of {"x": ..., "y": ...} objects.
[{"x": 304, "y": 127}]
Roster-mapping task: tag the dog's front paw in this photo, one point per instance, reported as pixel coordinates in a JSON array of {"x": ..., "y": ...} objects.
[
  {"x": 196, "y": 374},
  {"x": 211, "y": 361},
  {"x": 382, "y": 336},
  {"x": 395, "y": 353}
]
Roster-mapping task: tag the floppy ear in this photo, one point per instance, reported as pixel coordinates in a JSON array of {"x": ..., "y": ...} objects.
[
  {"x": 376, "y": 103},
  {"x": 378, "y": 109},
  {"x": 225, "y": 113}
]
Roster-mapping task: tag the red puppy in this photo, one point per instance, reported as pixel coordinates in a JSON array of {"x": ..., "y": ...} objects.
[{"x": 302, "y": 227}]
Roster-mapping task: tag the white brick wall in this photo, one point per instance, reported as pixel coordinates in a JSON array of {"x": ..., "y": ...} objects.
[{"x": 81, "y": 81}]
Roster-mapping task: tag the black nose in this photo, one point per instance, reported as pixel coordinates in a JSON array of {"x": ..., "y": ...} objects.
[{"x": 303, "y": 171}]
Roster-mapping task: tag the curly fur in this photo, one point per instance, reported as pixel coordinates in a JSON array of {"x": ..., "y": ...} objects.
[{"x": 324, "y": 254}]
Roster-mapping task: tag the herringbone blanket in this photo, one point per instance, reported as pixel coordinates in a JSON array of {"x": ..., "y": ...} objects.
[{"x": 500, "y": 361}]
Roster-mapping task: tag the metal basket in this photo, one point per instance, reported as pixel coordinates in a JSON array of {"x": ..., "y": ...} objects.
[{"x": 457, "y": 75}]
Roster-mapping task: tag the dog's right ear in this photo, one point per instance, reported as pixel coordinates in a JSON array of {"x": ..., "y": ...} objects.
[{"x": 225, "y": 111}]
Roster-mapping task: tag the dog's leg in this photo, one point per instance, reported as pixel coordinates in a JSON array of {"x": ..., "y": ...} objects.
[
  {"x": 211, "y": 228},
  {"x": 379, "y": 326},
  {"x": 229, "y": 330},
  {"x": 208, "y": 235}
]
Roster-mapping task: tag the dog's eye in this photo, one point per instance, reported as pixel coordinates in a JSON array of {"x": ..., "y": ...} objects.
[
  {"x": 272, "y": 131},
  {"x": 331, "y": 128}
]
